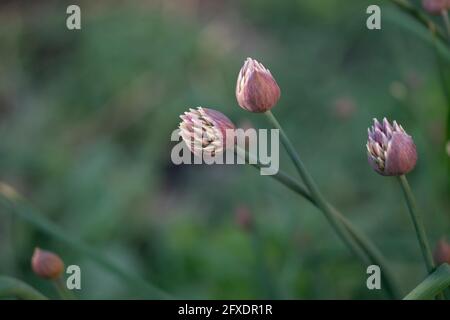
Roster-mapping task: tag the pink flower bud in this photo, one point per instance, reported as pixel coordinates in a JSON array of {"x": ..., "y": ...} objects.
[
  {"x": 205, "y": 131},
  {"x": 441, "y": 253},
  {"x": 391, "y": 151},
  {"x": 256, "y": 89},
  {"x": 436, "y": 6},
  {"x": 46, "y": 264},
  {"x": 244, "y": 218}
]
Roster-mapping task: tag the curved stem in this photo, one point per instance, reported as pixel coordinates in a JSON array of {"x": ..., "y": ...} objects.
[
  {"x": 375, "y": 256},
  {"x": 418, "y": 223},
  {"x": 446, "y": 22},
  {"x": 11, "y": 287},
  {"x": 310, "y": 184},
  {"x": 372, "y": 252},
  {"x": 407, "y": 7},
  {"x": 360, "y": 245},
  {"x": 314, "y": 191},
  {"x": 418, "y": 226},
  {"x": 434, "y": 284},
  {"x": 442, "y": 70},
  {"x": 19, "y": 206},
  {"x": 63, "y": 292}
]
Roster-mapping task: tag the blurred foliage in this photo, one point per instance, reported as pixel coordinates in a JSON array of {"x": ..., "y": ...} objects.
[{"x": 85, "y": 124}]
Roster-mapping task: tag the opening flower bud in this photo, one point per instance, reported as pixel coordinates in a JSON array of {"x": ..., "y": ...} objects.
[
  {"x": 441, "y": 253},
  {"x": 436, "y": 7},
  {"x": 256, "y": 89},
  {"x": 390, "y": 150},
  {"x": 46, "y": 264},
  {"x": 205, "y": 131}
]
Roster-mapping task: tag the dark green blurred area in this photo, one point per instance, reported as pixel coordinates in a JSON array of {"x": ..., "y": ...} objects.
[{"x": 85, "y": 124}]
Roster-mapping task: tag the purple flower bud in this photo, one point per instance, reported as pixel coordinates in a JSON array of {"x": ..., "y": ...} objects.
[
  {"x": 436, "y": 6},
  {"x": 256, "y": 89},
  {"x": 205, "y": 131},
  {"x": 390, "y": 150}
]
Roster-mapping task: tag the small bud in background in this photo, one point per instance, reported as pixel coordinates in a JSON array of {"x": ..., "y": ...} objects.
[
  {"x": 390, "y": 150},
  {"x": 414, "y": 80},
  {"x": 344, "y": 108},
  {"x": 441, "y": 252},
  {"x": 256, "y": 89},
  {"x": 244, "y": 218},
  {"x": 448, "y": 148},
  {"x": 46, "y": 264},
  {"x": 436, "y": 7},
  {"x": 205, "y": 130},
  {"x": 398, "y": 90}
]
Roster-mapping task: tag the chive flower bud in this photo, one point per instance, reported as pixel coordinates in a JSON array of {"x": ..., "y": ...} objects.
[
  {"x": 46, "y": 264},
  {"x": 441, "y": 253},
  {"x": 256, "y": 89},
  {"x": 205, "y": 131},
  {"x": 436, "y": 7},
  {"x": 390, "y": 150}
]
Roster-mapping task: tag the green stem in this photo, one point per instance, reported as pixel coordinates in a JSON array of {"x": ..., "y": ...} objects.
[
  {"x": 446, "y": 22},
  {"x": 372, "y": 252},
  {"x": 10, "y": 198},
  {"x": 407, "y": 7},
  {"x": 418, "y": 223},
  {"x": 62, "y": 289},
  {"x": 314, "y": 191},
  {"x": 375, "y": 256},
  {"x": 360, "y": 245},
  {"x": 433, "y": 285},
  {"x": 11, "y": 287},
  {"x": 418, "y": 226},
  {"x": 442, "y": 70}
]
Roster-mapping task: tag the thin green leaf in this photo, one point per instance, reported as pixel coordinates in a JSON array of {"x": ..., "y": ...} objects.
[
  {"x": 408, "y": 23},
  {"x": 420, "y": 17},
  {"x": 18, "y": 205},
  {"x": 435, "y": 283},
  {"x": 14, "y": 288}
]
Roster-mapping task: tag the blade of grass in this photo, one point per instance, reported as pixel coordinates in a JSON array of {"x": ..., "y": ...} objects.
[
  {"x": 443, "y": 69},
  {"x": 434, "y": 284},
  {"x": 19, "y": 207},
  {"x": 404, "y": 21},
  {"x": 15, "y": 288},
  {"x": 420, "y": 17}
]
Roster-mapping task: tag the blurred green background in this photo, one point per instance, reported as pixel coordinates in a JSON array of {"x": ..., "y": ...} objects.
[{"x": 85, "y": 124}]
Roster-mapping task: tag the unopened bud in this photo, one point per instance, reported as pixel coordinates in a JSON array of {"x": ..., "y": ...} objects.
[
  {"x": 436, "y": 7},
  {"x": 244, "y": 218},
  {"x": 256, "y": 89},
  {"x": 390, "y": 150},
  {"x": 441, "y": 253},
  {"x": 46, "y": 264}
]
